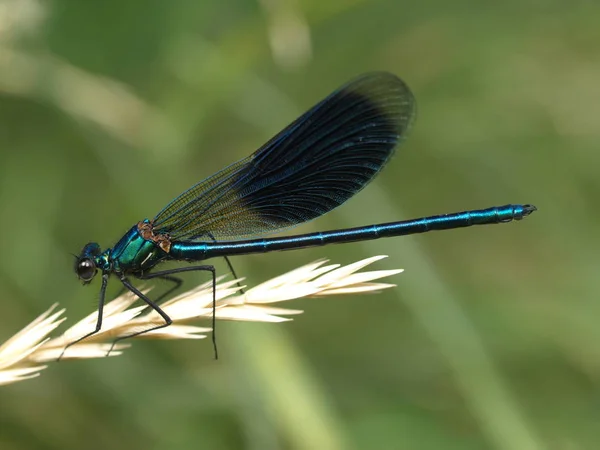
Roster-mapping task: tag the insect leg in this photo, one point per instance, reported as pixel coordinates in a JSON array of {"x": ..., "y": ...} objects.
[
  {"x": 166, "y": 273},
  {"x": 150, "y": 303},
  {"x": 98, "y": 321}
]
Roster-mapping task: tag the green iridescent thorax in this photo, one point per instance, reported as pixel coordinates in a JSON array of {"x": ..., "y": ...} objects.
[{"x": 134, "y": 252}]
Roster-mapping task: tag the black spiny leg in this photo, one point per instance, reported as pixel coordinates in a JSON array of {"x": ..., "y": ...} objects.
[
  {"x": 229, "y": 265},
  {"x": 150, "y": 303},
  {"x": 233, "y": 273},
  {"x": 98, "y": 321},
  {"x": 177, "y": 281},
  {"x": 165, "y": 275}
]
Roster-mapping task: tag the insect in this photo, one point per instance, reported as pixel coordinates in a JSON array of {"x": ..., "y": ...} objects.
[{"x": 314, "y": 165}]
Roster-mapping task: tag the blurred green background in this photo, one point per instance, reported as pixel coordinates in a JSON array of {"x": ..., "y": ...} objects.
[{"x": 108, "y": 109}]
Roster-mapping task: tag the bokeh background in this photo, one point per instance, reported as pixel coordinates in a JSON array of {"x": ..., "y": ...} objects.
[{"x": 491, "y": 339}]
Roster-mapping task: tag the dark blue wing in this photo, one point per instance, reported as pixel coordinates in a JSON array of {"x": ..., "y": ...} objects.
[{"x": 315, "y": 164}]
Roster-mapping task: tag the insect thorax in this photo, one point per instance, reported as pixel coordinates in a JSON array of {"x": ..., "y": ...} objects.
[{"x": 137, "y": 251}]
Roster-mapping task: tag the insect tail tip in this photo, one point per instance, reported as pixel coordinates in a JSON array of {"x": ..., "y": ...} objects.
[{"x": 528, "y": 209}]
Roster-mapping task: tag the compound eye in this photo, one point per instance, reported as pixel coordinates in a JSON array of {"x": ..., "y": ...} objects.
[{"x": 86, "y": 269}]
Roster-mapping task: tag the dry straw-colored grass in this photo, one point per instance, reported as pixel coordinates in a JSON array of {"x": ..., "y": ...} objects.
[{"x": 25, "y": 354}]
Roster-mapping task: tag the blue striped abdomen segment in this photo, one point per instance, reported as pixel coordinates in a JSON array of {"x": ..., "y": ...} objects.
[{"x": 196, "y": 251}]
